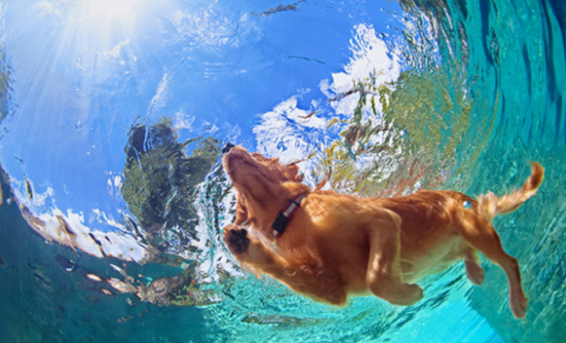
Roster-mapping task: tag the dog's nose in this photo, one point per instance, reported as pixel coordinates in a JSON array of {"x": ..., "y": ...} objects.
[{"x": 227, "y": 147}]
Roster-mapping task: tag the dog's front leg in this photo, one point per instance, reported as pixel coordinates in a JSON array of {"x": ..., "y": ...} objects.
[
  {"x": 305, "y": 278},
  {"x": 384, "y": 277},
  {"x": 246, "y": 250}
]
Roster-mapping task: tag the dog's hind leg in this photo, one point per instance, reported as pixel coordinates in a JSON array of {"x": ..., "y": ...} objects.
[
  {"x": 482, "y": 237},
  {"x": 384, "y": 277},
  {"x": 474, "y": 271},
  {"x": 480, "y": 234}
]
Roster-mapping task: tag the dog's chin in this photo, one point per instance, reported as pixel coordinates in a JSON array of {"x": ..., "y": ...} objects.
[
  {"x": 232, "y": 160},
  {"x": 235, "y": 154},
  {"x": 240, "y": 166},
  {"x": 247, "y": 176}
]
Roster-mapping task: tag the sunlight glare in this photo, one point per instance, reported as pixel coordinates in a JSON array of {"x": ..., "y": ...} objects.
[{"x": 111, "y": 9}]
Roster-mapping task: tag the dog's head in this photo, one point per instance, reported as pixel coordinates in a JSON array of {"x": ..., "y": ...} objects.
[
  {"x": 250, "y": 171},
  {"x": 263, "y": 184}
]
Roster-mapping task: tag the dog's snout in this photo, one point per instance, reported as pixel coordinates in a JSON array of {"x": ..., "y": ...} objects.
[{"x": 227, "y": 147}]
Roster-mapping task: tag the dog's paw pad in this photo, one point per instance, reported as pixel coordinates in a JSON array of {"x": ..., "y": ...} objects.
[{"x": 237, "y": 240}]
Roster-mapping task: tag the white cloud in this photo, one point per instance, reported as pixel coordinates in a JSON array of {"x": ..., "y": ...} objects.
[
  {"x": 69, "y": 230},
  {"x": 160, "y": 98},
  {"x": 38, "y": 200},
  {"x": 103, "y": 219},
  {"x": 115, "y": 52},
  {"x": 289, "y": 132},
  {"x": 114, "y": 184},
  {"x": 370, "y": 56},
  {"x": 183, "y": 121},
  {"x": 285, "y": 133},
  {"x": 118, "y": 182},
  {"x": 213, "y": 129},
  {"x": 234, "y": 132},
  {"x": 43, "y": 216}
]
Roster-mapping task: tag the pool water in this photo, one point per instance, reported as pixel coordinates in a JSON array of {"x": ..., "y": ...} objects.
[{"x": 113, "y": 115}]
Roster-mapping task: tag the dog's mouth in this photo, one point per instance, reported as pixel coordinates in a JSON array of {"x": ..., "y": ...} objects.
[
  {"x": 237, "y": 162},
  {"x": 237, "y": 158}
]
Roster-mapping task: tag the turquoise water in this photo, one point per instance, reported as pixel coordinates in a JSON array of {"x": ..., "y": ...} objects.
[{"x": 110, "y": 225}]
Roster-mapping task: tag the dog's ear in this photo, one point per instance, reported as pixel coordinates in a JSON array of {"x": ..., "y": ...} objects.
[
  {"x": 259, "y": 157},
  {"x": 291, "y": 173}
]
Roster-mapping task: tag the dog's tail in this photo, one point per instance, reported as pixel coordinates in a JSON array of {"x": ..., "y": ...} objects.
[{"x": 490, "y": 205}]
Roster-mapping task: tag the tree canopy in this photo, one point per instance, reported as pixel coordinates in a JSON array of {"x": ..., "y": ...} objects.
[{"x": 160, "y": 185}]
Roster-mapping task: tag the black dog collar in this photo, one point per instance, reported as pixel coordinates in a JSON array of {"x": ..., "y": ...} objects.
[{"x": 280, "y": 223}]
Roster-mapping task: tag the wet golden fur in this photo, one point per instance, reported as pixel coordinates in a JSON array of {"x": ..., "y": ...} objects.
[{"x": 337, "y": 245}]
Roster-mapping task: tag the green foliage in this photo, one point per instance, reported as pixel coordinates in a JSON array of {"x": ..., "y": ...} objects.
[
  {"x": 411, "y": 142},
  {"x": 161, "y": 181},
  {"x": 407, "y": 134}
]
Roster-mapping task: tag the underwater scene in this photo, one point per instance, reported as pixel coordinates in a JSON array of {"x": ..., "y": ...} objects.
[{"x": 114, "y": 200}]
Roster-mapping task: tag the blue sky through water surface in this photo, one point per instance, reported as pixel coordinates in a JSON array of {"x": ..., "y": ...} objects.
[
  {"x": 247, "y": 72},
  {"x": 82, "y": 79}
]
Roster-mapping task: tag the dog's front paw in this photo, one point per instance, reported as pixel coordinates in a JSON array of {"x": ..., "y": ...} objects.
[{"x": 237, "y": 240}]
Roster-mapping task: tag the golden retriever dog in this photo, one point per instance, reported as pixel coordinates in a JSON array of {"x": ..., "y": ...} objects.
[{"x": 327, "y": 245}]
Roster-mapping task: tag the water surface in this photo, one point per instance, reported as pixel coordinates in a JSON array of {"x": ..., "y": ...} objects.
[{"x": 113, "y": 199}]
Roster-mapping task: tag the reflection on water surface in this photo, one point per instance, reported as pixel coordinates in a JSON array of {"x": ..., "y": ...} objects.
[{"x": 113, "y": 199}]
